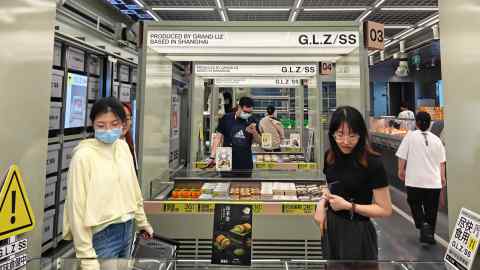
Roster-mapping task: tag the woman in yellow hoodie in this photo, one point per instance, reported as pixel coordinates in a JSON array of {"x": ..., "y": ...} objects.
[{"x": 103, "y": 197}]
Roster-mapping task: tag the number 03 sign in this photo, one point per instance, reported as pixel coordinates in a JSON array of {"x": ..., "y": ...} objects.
[{"x": 374, "y": 34}]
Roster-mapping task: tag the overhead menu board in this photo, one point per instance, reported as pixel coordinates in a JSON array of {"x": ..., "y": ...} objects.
[
  {"x": 257, "y": 82},
  {"x": 213, "y": 70},
  {"x": 220, "y": 39}
]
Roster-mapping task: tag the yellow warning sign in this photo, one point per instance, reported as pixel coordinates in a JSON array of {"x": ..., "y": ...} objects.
[{"x": 16, "y": 215}]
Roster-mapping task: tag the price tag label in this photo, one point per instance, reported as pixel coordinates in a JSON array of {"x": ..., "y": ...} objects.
[
  {"x": 298, "y": 209},
  {"x": 257, "y": 208},
  {"x": 206, "y": 208},
  {"x": 262, "y": 165},
  {"x": 180, "y": 208}
]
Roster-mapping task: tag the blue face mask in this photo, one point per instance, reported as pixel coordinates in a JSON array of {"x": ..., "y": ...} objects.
[{"x": 108, "y": 136}]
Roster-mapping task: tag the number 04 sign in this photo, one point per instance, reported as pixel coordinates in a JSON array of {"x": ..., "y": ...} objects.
[{"x": 464, "y": 241}]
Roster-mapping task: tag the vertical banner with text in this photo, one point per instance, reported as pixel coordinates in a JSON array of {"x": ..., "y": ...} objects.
[{"x": 232, "y": 234}]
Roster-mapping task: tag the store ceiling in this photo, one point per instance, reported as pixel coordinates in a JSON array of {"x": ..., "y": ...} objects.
[
  {"x": 390, "y": 12},
  {"x": 399, "y": 16}
]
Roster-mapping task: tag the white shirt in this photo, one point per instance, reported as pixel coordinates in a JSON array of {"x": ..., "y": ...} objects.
[
  {"x": 407, "y": 114},
  {"x": 423, "y": 162}
]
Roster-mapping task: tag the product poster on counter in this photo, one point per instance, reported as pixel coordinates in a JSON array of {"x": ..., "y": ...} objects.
[
  {"x": 232, "y": 235},
  {"x": 464, "y": 241},
  {"x": 223, "y": 159}
]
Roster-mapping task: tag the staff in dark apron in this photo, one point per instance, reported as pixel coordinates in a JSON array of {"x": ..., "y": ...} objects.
[
  {"x": 358, "y": 190},
  {"x": 237, "y": 130}
]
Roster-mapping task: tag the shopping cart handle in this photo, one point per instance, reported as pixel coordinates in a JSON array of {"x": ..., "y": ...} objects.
[{"x": 166, "y": 240}]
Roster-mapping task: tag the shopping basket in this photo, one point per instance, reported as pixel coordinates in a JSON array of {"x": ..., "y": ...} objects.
[{"x": 157, "y": 253}]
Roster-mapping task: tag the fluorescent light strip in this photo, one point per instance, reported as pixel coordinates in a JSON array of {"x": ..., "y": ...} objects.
[
  {"x": 372, "y": 53},
  {"x": 379, "y": 3},
  {"x": 391, "y": 43},
  {"x": 182, "y": 9},
  {"x": 397, "y": 26},
  {"x": 408, "y": 33},
  {"x": 294, "y": 16},
  {"x": 335, "y": 9},
  {"x": 365, "y": 16},
  {"x": 299, "y": 3},
  {"x": 219, "y": 4},
  {"x": 224, "y": 18},
  {"x": 401, "y": 34},
  {"x": 258, "y": 9},
  {"x": 409, "y": 9},
  {"x": 139, "y": 3},
  {"x": 429, "y": 20},
  {"x": 433, "y": 22},
  {"x": 152, "y": 15}
]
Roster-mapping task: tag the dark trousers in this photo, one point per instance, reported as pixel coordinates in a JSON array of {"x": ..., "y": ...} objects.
[{"x": 424, "y": 205}]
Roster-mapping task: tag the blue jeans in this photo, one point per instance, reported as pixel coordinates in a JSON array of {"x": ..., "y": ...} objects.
[{"x": 115, "y": 241}]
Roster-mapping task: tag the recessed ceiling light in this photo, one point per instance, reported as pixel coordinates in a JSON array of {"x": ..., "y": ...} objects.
[
  {"x": 335, "y": 9},
  {"x": 409, "y": 9},
  {"x": 259, "y": 9},
  {"x": 183, "y": 8}
]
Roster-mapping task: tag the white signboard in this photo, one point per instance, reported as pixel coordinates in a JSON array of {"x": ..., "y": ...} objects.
[
  {"x": 10, "y": 256},
  {"x": 13, "y": 248},
  {"x": 203, "y": 39},
  {"x": 464, "y": 241},
  {"x": 255, "y": 70},
  {"x": 257, "y": 82}
]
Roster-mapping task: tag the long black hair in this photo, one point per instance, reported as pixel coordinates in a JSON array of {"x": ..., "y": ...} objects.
[{"x": 354, "y": 119}]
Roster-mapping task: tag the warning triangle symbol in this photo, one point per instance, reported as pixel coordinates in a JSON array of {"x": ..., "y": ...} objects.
[{"x": 16, "y": 215}]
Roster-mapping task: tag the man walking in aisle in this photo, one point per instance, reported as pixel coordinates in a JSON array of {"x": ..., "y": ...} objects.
[{"x": 421, "y": 165}]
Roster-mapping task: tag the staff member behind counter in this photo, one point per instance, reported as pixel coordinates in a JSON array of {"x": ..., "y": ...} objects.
[{"x": 237, "y": 130}]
